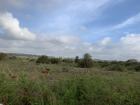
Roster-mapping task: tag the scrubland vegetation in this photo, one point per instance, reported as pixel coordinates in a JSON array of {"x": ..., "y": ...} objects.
[{"x": 65, "y": 81}]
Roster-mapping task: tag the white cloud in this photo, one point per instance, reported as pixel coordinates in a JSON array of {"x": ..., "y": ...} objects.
[
  {"x": 11, "y": 29},
  {"x": 130, "y": 21},
  {"x": 105, "y": 41},
  {"x": 71, "y": 14},
  {"x": 68, "y": 39},
  {"x": 131, "y": 42},
  {"x": 131, "y": 39},
  {"x": 126, "y": 48}
]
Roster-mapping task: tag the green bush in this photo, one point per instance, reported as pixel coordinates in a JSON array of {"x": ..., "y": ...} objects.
[
  {"x": 48, "y": 60},
  {"x": 115, "y": 67},
  {"x": 137, "y": 68},
  {"x": 103, "y": 64},
  {"x": 54, "y": 60},
  {"x": 3, "y": 56},
  {"x": 43, "y": 59}
]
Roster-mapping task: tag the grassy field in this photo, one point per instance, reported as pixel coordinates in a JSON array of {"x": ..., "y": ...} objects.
[{"x": 23, "y": 82}]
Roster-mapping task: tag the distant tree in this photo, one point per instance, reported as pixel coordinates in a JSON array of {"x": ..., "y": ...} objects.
[
  {"x": 43, "y": 59},
  {"x": 132, "y": 61},
  {"x": 87, "y": 61},
  {"x": 77, "y": 59},
  {"x": 68, "y": 60},
  {"x": 54, "y": 60},
  {"x": 3, "y": 56},
  {"x": 13, "y": 57}
]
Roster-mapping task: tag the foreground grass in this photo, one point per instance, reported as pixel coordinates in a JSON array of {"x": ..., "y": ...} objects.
[{"x": 73, "y": 86}]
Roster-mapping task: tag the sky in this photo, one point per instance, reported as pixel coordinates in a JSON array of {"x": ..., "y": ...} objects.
[{"x": 106, "y": 29}]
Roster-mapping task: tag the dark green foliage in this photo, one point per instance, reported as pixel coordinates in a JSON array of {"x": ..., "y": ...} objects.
[
  {"x": 68, "y": 60},
  {"x": 48, "y": 60},
  {"x": 54, "y": 60},
  {"x": 43, "y": 59},
  {"x": 86, "y": 62},
  {"x": 132, "y": 65},
  {"x": 3, "y": 56},
  {"x": 137, "y": 68},
  {"x": 77, "y": 59}
]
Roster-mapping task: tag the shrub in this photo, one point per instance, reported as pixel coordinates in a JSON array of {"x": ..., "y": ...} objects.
[
  {"x": 103, "y": 63},
  {"x": 54, "y": 60},
  {"x": 115, "y": 67},
  {"x": 3, "y": 56},
  {"x": 13, "y": 57},
  {"x": 43, "y": 59},
  {"x": 137, "y": 68},
  {"x": 86, "y": 62}
]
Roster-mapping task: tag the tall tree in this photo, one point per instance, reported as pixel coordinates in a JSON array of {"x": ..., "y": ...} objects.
[{"x": 87, "y": 61}]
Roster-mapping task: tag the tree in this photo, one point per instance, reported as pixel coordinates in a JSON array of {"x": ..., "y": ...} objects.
[
  {"x": 77, "y": 59},
  {"x": 86, "y": 62}
]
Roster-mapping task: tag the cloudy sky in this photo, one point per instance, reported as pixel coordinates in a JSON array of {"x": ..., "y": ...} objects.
[{"x": 106, "y": 29}]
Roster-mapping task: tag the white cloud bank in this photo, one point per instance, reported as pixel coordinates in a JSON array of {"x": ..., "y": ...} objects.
[
  {"x": 10, "y": 28},
  {"x": 25, "y": 41},
  {"x": 127, "y": 47},
  {"x": 132, "y": 42}
]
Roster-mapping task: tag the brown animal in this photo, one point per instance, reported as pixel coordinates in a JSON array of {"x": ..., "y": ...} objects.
[{"x": 46, "y": 71}]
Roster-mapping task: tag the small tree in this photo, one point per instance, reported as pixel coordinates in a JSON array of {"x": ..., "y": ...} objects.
[
  {"x": 86, "y": 62},
  {"x": 77, "y": 59}
]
